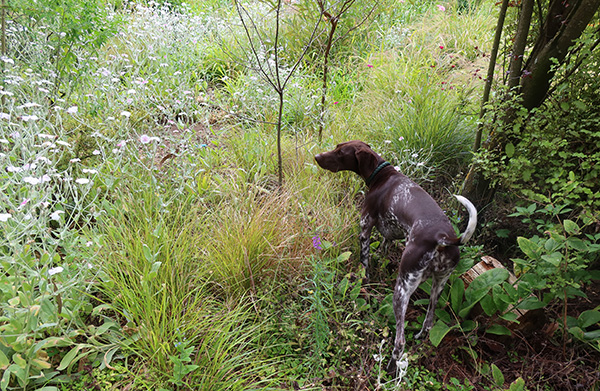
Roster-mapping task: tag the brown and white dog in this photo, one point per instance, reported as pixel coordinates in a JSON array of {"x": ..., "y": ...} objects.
[{"x": 398, "y": 207}]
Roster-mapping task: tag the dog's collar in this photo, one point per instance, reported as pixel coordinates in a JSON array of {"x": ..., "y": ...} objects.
[{"x": 377, "y": 170}]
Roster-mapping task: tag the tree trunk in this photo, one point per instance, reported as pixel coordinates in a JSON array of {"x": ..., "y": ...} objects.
[
  {"x": 564, "y": 23},
  {"x": 559, "y": 34}
]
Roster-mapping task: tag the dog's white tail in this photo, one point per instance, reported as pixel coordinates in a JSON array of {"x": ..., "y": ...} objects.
[{"x": 472, "y": 219}]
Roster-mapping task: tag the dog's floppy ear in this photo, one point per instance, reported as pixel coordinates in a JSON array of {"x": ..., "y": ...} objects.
[{"x": 367, "y": 161}]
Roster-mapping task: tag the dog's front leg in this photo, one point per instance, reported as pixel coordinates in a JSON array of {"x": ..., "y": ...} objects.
[{"x": 366, "y": 226}]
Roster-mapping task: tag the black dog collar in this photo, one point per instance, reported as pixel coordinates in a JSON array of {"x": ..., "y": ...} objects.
[{"x": 379, "y": 168}]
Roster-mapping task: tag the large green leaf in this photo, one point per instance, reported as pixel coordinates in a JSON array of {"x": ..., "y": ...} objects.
[
  {"x": 485, "y": 281},
  {"x": 438, "y": 332},
  {"x": 588, "y": 318},
  {"x": 456, "y": 294},
  {"x": 530, "y": 248}
]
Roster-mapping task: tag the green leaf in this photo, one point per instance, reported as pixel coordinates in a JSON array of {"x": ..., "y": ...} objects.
[
  {"x": 517, "y": 385},
  {"x": 355, "y": 291},
  {"x": 67, "y": 360},
  {"x": 488, "y": 305},
  {"x": 19, "y": 360},
  {"x": 147, "y": 253},
  {"x": 5, "y": 378},
  {"x": 438, "y": 332},
  {"x": 468, "y": 325},
  {"x": 577, "y": 244},
  {"x": 105, "y": 327},
  {"x": 510, "y": 150},
  {"x": 154, "y": 271},
  {"x": 577, "y": 333},
  {"x": 592, "y": 335},
  {"x": 344, "y": 256},
  {"x": 555, "y": 258},
  {"x": 497, "y": 375},
  {"x": 531, "y": 303},
  {"x": 528, "y": 247},
  {"x": 485, "y": 281},
  {"x": 343, "y": 286},
  {"x": 3, "y": 360},
  {"x": 571, "y": 227},
  {"x": 510, "y": 316},
  {"x": 497, "y": 329},
  {"x": 41, "y": 364},
  {"x": 457, "y": 292},
  {"x": 464, "y": 312},
  {"x": 588, "y": 318}
]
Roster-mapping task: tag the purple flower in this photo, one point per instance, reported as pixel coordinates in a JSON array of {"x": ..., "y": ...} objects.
[{"x": 316, "y": 241}]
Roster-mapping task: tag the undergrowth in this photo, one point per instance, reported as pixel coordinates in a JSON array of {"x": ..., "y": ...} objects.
[{"x": 145, "y": 242}]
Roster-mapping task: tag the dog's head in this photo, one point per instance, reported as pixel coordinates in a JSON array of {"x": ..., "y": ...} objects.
[{"x": 355, "y": 156}]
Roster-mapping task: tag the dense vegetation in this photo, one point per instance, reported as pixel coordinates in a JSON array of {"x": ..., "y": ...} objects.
[{"x": 148, "y": 241}]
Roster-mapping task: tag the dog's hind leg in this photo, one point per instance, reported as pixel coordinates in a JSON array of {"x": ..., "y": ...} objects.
[
  {"x": 405, "y": 287},
  {"x": 438, "y": 281}
]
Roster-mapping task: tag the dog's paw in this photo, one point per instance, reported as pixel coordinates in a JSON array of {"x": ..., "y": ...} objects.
[{"x": 397, "y": 368}]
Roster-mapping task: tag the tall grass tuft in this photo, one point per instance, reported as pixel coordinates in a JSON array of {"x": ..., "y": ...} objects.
[{"x": 156, "y": 281}]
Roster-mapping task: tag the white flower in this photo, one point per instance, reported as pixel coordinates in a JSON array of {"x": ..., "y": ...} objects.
[
  {"x": 82, "y": 181},
  {"x": 43, "y": 159},
  {"x": 131, "y": 91},
  {"x": 5, "y": 216},
  {"x": 125, "y": 113},
  {"x": 72, "y": 109},
  {"x": 89, "y": 244},
  {"x": 145, "y": 139},
  {"x": 63, "y": 143},
  {"x": 90, "y": 171},
  {"x": 28, "y": 105},
  {"x": 4, "y": 116},
  {"x": 55, "y": 270},
  {"x": 48, "y": 136},
  {"x": 75, "y": 160},
  {"x": 96, "y": 152},
  {"x": 31, "y": 180},
  {"x": 3, "y": 141},
  {"x": 28, "y": 118},
  {"x": 7, "y": 60},
  {"x": 56, "y": 215}
]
